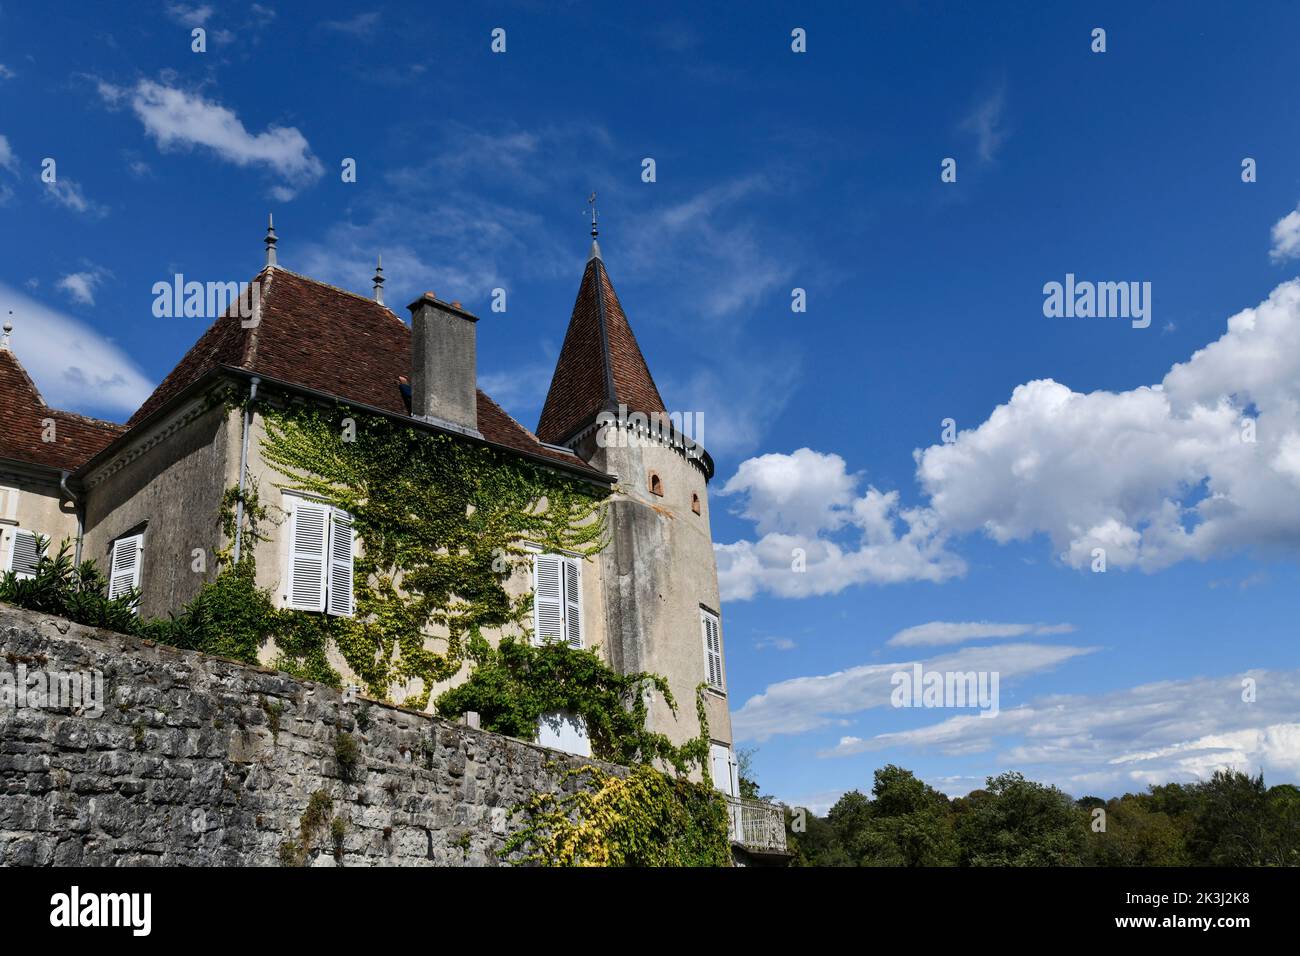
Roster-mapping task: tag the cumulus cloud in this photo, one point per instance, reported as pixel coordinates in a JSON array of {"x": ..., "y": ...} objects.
[
  {"x": 1153, "y": 475},
  {"x": 1129, "y": 738},
  {"x": 1286, "y": 237},
  {"x": 177, "y": 119},
  {"x": 955, "y": 632},
  {"x": 74, "y": 366},
  {"x": 804, "y": 704},
  {"x": 819, "y": 534}
]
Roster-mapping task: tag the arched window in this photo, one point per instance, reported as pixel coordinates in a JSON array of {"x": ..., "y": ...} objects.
[
  {"x": 695, "y": 503},
  {"x": 656, "y": 485}
]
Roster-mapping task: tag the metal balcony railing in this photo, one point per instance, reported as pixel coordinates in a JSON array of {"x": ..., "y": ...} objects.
[{"x": 756, "y": 825}]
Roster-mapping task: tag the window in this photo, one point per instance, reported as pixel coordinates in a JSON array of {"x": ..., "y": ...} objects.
[
  {"x": 725, "y": 769},
  {"x": 557, "y": 599},
  {"x": 695, "y": 503},
  {"x": 124, "y": 565},
  {"x": 712, "y": 648},
  {"x": 25, "y": 550},
  {"x": 656, "y": 485},
  {"x": 322, "y": 546}
]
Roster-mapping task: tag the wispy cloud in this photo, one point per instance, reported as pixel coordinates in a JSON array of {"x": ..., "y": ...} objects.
[
  {"x": 177, "y": 120},
  {"x": 805, "y": 704},
  {"x": 985, "y": 123},
  {"x": 6, "y": 73},
  {"x": 956, "y": 632},
  {"x": 361, "y": 25},
  {"x": 69, "y": 194},
  {"x": 74, "y": 366},
  {"x": 189, "y": 16},
  {"x": 775, "y": 643},
  {"x": 1180, "y": 730},
  {"x": 80, "y": 286}
]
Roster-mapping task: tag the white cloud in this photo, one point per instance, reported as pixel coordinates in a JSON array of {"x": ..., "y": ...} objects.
[
  {"x": 177, "y": 119},
  {"x": 80, "y": 286},
  {"x": 804, "y": 704},
  {"x": 776, "y": 643},
  {"x": 6, "y": 73},
  {"x": 360, "y": 25},
  {"x": 807, "y": 502},
  {"x": 74, "y": 366},
  {"x": 955, "y": 632},
  {"x": 1286, "y": 237},
  {"x": 1128, "y": 738},
  {"x": 985, "y": 123},
  {"x": 187, "y": 16},
  {"x": 69, "y": 194},
  {"x": 1153, "y": 475},
  {"x": 8, "y": 161}
]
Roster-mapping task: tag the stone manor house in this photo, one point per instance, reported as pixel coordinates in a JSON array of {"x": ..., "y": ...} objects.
[{"x": 139, "y": 498}]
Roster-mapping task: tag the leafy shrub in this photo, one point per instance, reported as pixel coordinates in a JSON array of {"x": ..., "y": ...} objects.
[{"x": 77, "y": 592}]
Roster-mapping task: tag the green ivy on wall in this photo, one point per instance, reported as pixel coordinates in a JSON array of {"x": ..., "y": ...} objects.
[{"x": 442, "y": 523}]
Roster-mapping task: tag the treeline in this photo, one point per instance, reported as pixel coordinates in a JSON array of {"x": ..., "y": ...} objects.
[{"x": 1232, "y": 819}]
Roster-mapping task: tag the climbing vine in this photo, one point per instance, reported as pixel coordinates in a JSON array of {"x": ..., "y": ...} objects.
[
  {"x": 442, "y": 523},
  {"x": 514, "y": 684}
]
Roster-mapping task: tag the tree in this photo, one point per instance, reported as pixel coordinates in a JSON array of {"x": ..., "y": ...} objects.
[
  {"x": 1016, "y": 822},
  {"x": 910, "y": 823}
]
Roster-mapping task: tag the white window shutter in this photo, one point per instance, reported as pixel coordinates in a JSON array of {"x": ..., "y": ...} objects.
[
  {"x": 307, "y": 558},
  {"x": 573, "y": 602},
  {"x": 24, "y": 553},
  {"x": 342, "y": 546},
  {"x": 712, "y": 649},
  {"x": 548, "y": 599},
  {"x": 124, "y": 565}
]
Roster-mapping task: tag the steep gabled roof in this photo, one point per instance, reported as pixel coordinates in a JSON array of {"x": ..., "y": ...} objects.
[
  {"x": 22, "y": 416},
  {"x": 332, "y": 341},
  {"x": 600, "y": 365}
]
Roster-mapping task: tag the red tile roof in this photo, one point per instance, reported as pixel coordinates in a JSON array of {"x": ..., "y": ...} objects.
[
  {"x": 600, "y": 366},
  {"x": 326, "y": 339},
  {"x": 23, "y": 412}
]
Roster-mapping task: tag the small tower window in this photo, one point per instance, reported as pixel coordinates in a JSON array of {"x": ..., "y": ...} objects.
[
  {"x": 656, "y": 485},
  {"x": 695, "y": 503}
]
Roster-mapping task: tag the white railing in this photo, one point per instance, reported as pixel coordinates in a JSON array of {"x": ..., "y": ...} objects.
[{"x": 756, "y": 825}]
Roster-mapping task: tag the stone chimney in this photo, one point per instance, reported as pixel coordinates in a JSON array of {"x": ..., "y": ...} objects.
[{"x": 444, "y": 377}]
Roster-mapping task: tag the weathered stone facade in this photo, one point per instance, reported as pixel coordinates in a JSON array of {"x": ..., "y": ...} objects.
[{"x": 198, "y": 761}]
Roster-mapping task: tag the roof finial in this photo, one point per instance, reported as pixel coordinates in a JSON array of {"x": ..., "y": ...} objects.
[
  {"x": 379, "y": 280},
  {"x": 270, "y": 240},
  {"x": 9, "y": 327},
  {"x": 595, "y": 246}
]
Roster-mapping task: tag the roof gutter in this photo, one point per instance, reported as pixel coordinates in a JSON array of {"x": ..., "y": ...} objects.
[
  {"x": 243, "y": 463},
  {"x": 76, "y": 507}
]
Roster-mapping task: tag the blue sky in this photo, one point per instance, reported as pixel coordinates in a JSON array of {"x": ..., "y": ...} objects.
[{"x": 776, "y": 170}]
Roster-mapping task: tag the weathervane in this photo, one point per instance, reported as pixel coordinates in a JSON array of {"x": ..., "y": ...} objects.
[{"x": 591, "y": 201}]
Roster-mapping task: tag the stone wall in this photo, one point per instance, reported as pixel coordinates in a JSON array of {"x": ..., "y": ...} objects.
[{"x": 198, "y": 761}]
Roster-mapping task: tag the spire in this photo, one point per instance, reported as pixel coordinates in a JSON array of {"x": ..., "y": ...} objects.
[
  {"x": 9, "y": 327},
  {"x": 600, "y": 366},
  {"x": 379, "y": 280},
  {"x": 270, "y": 240},
  {"x": 595, "y": 246}
]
